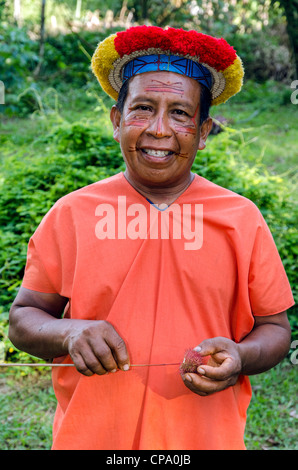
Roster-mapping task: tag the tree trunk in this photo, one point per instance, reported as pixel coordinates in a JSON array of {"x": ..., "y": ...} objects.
[
  {"x": 42, "y": 38},
  {"x": 291, "y": 11},
  {"x": 17, "y": 11},
  {"x": 78, "y": 9},
  {"x": 145, "y": 12}
]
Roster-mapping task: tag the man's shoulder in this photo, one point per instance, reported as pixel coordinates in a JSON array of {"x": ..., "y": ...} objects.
[
  {"x": 103, "y": 188},
  {"x": 217, "y": 197}
]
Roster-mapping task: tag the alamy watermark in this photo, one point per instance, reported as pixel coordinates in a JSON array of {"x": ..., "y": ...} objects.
[
  {"x": 294, "y": 95},
  {"x": 2, "y": 92},
  {"x": 138, "y": 221},
  {"x": 294, "y": 354}
]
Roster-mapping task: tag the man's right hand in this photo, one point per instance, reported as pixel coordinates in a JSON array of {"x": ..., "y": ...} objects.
[
  {"x": 96, "y": 348},
  {"x": 37, "y": 328}
]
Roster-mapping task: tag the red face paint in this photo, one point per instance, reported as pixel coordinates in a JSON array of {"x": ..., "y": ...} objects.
[
  {"x": 182, "y": 155},
  {"x": 135, "y": 122},
  {"x": 185, "y": 129},
  {"x": 189, "y": 128},
  {"x": 159, "y": 127},
  {"x": 195, "y": 115},
  {"x": 160, "y": 87}
]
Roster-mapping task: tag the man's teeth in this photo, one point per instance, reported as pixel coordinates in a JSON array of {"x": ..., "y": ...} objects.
[{"x": 157, "y": 153}]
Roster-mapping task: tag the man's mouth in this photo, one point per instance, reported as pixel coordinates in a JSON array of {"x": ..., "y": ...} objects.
[{"x": 157, "y": 153}]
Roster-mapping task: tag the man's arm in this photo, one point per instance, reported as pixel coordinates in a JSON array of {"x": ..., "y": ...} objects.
[
  {"x": 262, "y": 349},
  {"x": 36, "y": 326}
]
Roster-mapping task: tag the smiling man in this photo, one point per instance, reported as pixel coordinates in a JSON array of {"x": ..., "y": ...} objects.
[
  {"x": 159, "y": 133},
  {"x": 124, "y": 275}
]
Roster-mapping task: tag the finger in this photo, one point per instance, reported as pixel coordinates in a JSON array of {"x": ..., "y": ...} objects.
[
  {"x": 118, "y": 348},
  {"x": 102, "y": 361},
  {"x": 203, "y": 386},
  {"x": 81, "y": 365},
  {"x": 100, "y": 358},
  {"x": 221, "y": 372},
  {"x": 212, "y": 346}
]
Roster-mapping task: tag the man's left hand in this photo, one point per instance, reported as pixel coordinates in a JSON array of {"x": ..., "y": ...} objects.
[{"x": 222, "y": 369}]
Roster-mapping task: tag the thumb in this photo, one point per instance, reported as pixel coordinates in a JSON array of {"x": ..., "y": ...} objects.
[{"x": 211, "y": 346}]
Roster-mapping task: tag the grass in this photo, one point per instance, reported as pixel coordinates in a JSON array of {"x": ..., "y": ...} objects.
[
  {"x": 27, "y": 405},
  {"x": 273, "y": 412},
  {"x": 271, "y": 123}
]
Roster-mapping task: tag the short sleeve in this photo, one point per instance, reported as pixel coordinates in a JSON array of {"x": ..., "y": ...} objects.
[
  {"x": 269, "y": 289},
  {"x": 36, "y": 277},
  {"x": 51, "y": 253}
]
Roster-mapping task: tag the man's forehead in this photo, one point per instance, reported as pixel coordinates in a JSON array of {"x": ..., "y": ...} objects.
[{"x": 164, "y": 82}]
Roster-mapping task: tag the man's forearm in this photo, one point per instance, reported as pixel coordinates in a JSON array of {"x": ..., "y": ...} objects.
[
  {"x": 40, "y": 334},
  {"x": 264, "y": 347},
  {"x": 36, "y": 327}
]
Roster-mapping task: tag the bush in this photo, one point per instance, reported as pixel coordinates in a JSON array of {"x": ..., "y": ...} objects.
[
  {"x": 264, "y": 58},
  {"x": 70, "y": 55},
  {"x": 18, "y": 57},
  {"x": 89, "y": 144},
  {"x": 66, "y": 63},
  {"x": 268, "y": 95}
]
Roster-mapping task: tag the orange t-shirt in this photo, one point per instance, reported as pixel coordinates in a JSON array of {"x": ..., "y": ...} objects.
[{"x": 166, "y": 280}]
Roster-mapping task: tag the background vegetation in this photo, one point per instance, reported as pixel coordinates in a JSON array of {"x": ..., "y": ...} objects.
[{"x": 56, "y": 137}]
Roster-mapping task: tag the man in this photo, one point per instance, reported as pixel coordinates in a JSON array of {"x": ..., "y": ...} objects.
[{"x": 152, "y": 261}]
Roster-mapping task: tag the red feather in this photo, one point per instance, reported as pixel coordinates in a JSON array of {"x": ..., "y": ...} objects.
[{"x": 212, "y": 51}]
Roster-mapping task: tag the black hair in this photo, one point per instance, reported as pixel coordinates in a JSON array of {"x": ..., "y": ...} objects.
[{"x": 205, "y": 101}]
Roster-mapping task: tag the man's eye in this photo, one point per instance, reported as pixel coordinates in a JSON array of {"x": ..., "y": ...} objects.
[
  {"x": 143, "y": 108},
  {"x": 180, "y": 112}
]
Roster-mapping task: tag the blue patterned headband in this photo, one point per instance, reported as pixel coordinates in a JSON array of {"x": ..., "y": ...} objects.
[{"x": 168, "y": 63}]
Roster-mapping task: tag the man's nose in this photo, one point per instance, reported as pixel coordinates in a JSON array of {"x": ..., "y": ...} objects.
[{"x": 159, "y": 126}]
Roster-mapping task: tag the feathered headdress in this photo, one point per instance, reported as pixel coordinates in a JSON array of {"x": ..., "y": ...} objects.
[{"x": 210, "y": 61}]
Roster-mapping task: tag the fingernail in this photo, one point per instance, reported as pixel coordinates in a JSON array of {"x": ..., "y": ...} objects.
[
  {"x": 126, "y": 367},
  {"x": 197, "y": 348},
  {"x": 201, "y": 371},
  {"x": 114, "y": 370},
  {"x": 188, "y": 378}
]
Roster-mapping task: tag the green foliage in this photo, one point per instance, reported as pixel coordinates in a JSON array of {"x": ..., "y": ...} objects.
[
  {"x": 264, "y": 56},
  {"x": 93, "y": 148},
  {"x": 27, "y": 407},
  {"x": 161, "y": 12},
  {"x": 272, "y": 414},
  {"x": 66, "y": 63},
  {"x": 265, "y": 95},
  {"x": 18, "y": 57},
  {"x": 67, "y": 57}
]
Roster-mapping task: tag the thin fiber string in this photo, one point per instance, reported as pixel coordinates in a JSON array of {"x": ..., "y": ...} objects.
[
  {"x": 191, "y": 361},
  {"x": 38, "y": 364}
]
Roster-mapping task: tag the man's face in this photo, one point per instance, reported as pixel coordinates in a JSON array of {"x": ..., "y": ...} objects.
[{"x": 159, "y": 130}]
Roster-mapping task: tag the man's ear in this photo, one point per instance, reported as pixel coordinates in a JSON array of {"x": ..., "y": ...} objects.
[
  {"x": 115, "y": 117},
  {"x": 204, "y": 132}
]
